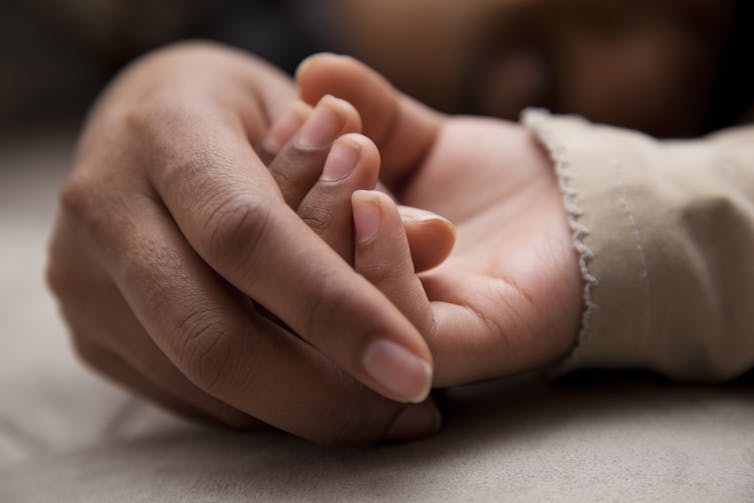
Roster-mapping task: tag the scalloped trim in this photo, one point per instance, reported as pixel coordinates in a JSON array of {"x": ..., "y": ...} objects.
[{"x": 536, "y": 121}]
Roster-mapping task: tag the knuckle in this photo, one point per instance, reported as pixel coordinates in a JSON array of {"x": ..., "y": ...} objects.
[
  {"x": 144, "y": 118},
  {"x": 89, "y": 204},
  {"x": 236, "y": 227},
  {"x": 284, "y": 179},
  {"x": 380, "y": 273},
  {"x": 296, "y": 170},
  {"x": 58, "y": 278},
  {"x": 165, "y": 118},
  {"x": 84, "y": 207},
  {"x": 205, "y": 348},
  {"x": 78, "y": 198},
  {"x": 156, "y": 118},
  {"x": 326, "y": 312},
  {"x": 62, "y": 274},
  {"x": 318, "y": 218}
]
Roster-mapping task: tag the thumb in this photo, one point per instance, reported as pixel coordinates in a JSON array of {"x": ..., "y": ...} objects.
[
  {"x": 402, "y": 128},
  {"x": 430, "y": 237}
]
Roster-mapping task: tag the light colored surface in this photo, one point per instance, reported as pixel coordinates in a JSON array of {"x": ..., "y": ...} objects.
[{"x": 66, "y": 435}]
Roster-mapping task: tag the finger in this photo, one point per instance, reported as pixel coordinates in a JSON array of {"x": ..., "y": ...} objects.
[
  {"x": 208, "y": 330},
  {"x": 472, "y": 342},
  {"x": 236, "y": 220},
  {"x": 460, "y": 339},
  {"x": 328, "y": 206},
  {"x": 383, "y": 257},
  {"x": 282, "y": 130},
  {"x": 299, "y": 164},
  {"x": 353, "y": 164},
  {"x": 117, "y": 369},
  {"x": 98, "y": 314},
  {"x": 403, "y": 129},
  {"x": 431, "y": 237}
]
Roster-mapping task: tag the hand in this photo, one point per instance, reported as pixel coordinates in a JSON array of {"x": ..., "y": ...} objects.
[
  {"x": 170, "y": 223},
  {"x": 509, "y": 297}
]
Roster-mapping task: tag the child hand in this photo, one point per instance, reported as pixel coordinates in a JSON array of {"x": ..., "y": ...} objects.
[
  {"x": 320, "y": 191},
  {"x": 319, "y": 184},
  {"x": 508, "y": 299},
  {"x": 380, "y": 244}
]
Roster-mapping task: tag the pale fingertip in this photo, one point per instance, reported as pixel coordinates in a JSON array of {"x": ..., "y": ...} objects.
[
  {"x": 343, "y": 158},
  {"x": 331, "y": 118},
  {"x": 404, "y": 374},
  {"x": 306, "y": 64},
  {"x": 352, "y": 117},
  {"x": 302, "y": 109},
  {"x": 323, "y": 126},
  {"x": 285, "y": 127}
]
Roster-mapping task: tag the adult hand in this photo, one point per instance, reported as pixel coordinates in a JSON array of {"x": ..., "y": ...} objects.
[
  {"x": 509, "y": 297},
  {"x": 170, "y": 223}
]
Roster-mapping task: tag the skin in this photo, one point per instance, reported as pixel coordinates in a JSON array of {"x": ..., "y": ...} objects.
[
  {"x": 172, "y": 234},
  {"x": 155, "y": 305},
  {"x": 508, "y": 298},
  {"x": 177, "y": 255}
]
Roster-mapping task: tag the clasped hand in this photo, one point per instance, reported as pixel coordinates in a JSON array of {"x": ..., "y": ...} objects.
[{"x": 223, "y": 251}]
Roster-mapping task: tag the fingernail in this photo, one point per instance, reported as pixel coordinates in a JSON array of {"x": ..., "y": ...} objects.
[
  {"x": 366, "y": 216},
  {"x": 398, "y": 370},
  {"x": 285, "y": 127},
  {"x": 423, "y": 217},
  {"x": 323, "y": 126},
  {"x": 418, "y": 215},
  {"x": 341, "y": 161},
  {"x": 415, "y": 422}
]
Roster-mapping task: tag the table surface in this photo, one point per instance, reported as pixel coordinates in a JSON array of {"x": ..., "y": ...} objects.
[{"x": 68, "y": 435}]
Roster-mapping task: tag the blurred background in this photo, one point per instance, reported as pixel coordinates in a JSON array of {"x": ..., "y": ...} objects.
[
  {"x": 668, "y": 67},
  {"x": 56, "y": 55}
]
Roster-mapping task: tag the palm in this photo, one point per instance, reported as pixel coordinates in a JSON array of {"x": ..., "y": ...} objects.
[
  {"x": 513, "y": 270},
  {"x": 508, "y": 297}
]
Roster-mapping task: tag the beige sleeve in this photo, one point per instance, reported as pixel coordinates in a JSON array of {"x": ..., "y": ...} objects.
[{"x": 665, "y": 230}]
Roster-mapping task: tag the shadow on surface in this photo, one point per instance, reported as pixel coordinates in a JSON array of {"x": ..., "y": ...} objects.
[{"x": 525, "y": 436}]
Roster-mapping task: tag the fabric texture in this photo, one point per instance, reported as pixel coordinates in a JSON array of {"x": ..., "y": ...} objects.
[{"x": 665, "y": 230}]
